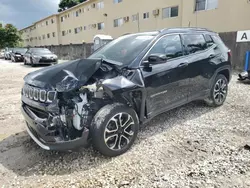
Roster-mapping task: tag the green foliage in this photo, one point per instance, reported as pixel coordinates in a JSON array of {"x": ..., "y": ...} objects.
[
  {"x": 66, "y": 4},
  {"x": 9, "y": 36}
]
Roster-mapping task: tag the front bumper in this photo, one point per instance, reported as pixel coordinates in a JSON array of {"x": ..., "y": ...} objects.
[
  {"x": 244, "y": 75},
  {"x": 19, "y": 58},
  {"x": 41, "y": 135}
]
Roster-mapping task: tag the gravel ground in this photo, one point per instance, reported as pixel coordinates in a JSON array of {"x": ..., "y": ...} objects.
[{"x": 192, "y": 146}]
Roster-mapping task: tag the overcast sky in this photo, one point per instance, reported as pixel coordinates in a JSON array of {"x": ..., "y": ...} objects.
[{"x": 23, "y": 13}]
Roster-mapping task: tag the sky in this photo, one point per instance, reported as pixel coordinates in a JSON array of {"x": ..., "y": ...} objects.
[{"x": 23, "y": 13}]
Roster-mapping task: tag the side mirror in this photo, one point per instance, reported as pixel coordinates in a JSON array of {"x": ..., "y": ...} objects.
[{"x": 155, "y": 59}]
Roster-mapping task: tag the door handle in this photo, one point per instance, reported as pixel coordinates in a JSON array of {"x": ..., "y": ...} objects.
[
  {"x": 211, "y": 56},
  {"x": 182, "y": 65}
]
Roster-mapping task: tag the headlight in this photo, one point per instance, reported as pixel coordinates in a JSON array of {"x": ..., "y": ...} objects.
[{"x": 36, "y": 56}]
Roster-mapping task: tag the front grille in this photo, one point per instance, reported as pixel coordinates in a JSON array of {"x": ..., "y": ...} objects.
[
  {"x": 38, "y": 94},
  {"x": 39, "y": 113}
]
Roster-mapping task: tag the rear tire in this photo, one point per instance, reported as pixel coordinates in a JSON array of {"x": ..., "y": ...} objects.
[
  {"x": 218, "y": 93},
  {"x": 114, "y": 129}
]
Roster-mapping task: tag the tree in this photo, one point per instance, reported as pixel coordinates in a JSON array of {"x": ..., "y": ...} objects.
[
  {"x": 10, "y": 36},
  {"x": 66, "y": 4}
]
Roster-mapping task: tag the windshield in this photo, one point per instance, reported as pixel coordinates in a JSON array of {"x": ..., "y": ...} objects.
[
  {"x": 20, "y": 50},
  {"x": 124, "y": 49},
  {"x": 41, "y": 51}
]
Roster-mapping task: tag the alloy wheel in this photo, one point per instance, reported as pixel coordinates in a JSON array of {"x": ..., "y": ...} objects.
[
  {"x": 119, "y": 131},
  {"x": 220, "y": 91}
]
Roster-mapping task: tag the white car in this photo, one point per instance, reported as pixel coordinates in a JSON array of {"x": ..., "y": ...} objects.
[{"x": 2, "y": 53}]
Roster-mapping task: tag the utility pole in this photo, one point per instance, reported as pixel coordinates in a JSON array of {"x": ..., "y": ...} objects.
[{"x": 138, "y": 21}]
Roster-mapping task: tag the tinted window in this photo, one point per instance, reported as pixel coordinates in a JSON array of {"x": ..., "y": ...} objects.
[
  {"x": 220, "y": 43},
  {"x": 169, "y": 45},
  {"x": 125, "y": 48},
  {"x": 194, "y": 43},
  {"x": 40, "y": 50},
  {"x": 209, "y": 40}
]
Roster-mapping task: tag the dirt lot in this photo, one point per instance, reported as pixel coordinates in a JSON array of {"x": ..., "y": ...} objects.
[{"x": 192, "y": 146}]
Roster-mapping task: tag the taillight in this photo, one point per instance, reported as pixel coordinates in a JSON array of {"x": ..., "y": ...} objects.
[{"x": 230, "y": 53}]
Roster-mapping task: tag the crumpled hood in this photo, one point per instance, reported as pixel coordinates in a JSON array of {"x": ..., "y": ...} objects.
[{"x": 49, "y": 77}]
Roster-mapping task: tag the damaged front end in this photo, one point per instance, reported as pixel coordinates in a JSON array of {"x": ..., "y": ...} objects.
[{"x": 59, "y": 103}]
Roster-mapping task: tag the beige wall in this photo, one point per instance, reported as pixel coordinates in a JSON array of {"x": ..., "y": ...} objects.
[{"x": 231, "y": 15}]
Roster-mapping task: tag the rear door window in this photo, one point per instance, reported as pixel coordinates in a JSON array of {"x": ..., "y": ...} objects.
[{"x": 194, "y": 43}]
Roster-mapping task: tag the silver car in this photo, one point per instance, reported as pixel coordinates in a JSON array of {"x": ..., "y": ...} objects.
[{"x": 38, "y": 56}]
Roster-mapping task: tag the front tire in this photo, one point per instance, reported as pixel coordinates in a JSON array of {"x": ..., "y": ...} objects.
[
  {"x": 114, "y": 129},
  {"x": 31, "y": 62},
  {"x": 218, "y": 93}
]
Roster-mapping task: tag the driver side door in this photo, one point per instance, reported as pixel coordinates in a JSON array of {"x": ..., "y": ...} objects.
[{"x": 167, "y": 83}]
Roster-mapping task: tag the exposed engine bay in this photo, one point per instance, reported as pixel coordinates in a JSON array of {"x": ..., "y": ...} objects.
[{"x": 77, "y": 104}]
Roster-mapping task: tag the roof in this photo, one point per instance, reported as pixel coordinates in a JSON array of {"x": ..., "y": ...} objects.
[
  {"x": 103, "y": 37},
  {"x": 45, "y": 18},
  {"x": 26, "y": 27},
  {"x": 185, "y": 30}
]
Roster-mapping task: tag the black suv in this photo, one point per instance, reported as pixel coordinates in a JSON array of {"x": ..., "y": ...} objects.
[{"x": 104, "y": 98}]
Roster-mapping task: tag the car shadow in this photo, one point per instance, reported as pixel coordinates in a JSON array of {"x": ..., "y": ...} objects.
[
  {"x": 246, "y": 82},
  {"x": 21, "y": 155},
  {"x": 29, "y": 66}
]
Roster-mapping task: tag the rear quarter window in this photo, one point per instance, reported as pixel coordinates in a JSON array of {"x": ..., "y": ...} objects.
[
  {"x": 209, "y": 40},
  {"x": 219, "y": 42}
]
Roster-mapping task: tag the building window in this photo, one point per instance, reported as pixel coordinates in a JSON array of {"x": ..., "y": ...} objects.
[
  {"x": 205, "y": 4},
  {"x": 43, "y": 36},
  {"x": 62, "y": 19},
  {"x": 39, "y": 38},
  {"x": 48, "y": 35},
  {"x": 69, "y": 31},
  {"x": 117, "y": 1},
  {"x": 77, "y": 13},
  {"x": 170, "y": 12},
  {"x": 146, "y": 15},
  {"x": 47, "y": 23},
  {"x": 100, "y": 5},
  {"x": 52, "y": 20},
  {"x": 63, "y": 33},
  {"x": 78, "y": 29},
  {"x": 54, "y": 34},
  {"x": 80, "y": 11},
  {"x": 118, "y": 22},
  {"x": 100, "y": 26},
  {"x": 135, "y": 17}
]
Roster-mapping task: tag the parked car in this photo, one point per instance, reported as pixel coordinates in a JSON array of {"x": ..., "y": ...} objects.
[
  {"x": 38, "y": 56},
  {"x": 17, "y": 54},
  {"x": 2, "y": 53},
  {"x": 103, "y": 99},
  {"x": 7, "y": 53}
]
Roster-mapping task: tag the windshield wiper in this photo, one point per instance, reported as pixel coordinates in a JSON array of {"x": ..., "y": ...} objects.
[{"x": 112, "y": 62}]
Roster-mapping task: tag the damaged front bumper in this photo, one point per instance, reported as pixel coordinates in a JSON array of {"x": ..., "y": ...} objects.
[
  {"x": 45, "y": 138},
  {"x": 244, "y": 75}
]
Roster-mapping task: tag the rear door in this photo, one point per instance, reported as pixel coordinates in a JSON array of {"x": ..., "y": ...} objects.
[{"x": 200, "y": 55}]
